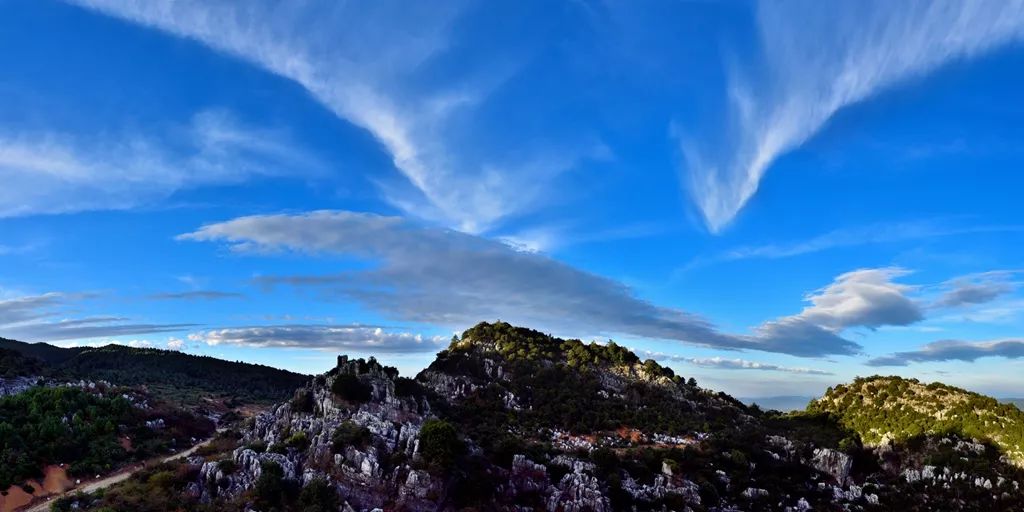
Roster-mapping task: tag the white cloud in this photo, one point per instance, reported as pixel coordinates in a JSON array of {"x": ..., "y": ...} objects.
[
  {"x": 323, "y": 337},
  {"x": 821, "y": 57},
  {"x": 444, "y": 277},
  {"x": 735, "y": 364},
  {"x": 37, "y": 318},
  {"x": 863, "y": 298},
  {"x": 976, "y": 289},
  {"x": 370, "y": 64},
  {"x": 175, "y": 343},
  {"x": 59, "y": 173},
  {"x": 17, "y": 310},
  {"x": 954, "y": 350}
]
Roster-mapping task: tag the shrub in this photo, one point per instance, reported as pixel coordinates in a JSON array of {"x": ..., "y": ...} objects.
[
  {"x": 227, "y": 466},
  {"x": 318, "y": 496},
  {"x": 303, "y": 401},
  {"x": 298, "y": 440},
  {"x": 349, "y": 434},
  {"x": 258, "y": 446},
  {"x": 270, "y": 484},
  {"x": 440, "y": 445}
]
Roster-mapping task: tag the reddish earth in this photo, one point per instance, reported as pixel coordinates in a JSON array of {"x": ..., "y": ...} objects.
[
  {"x": 631, "y": 434},
  {"x": 56, "y": 481},
  {"x": 17, "y": 497}
]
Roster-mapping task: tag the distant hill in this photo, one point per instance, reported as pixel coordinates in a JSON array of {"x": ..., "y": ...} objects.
[
  {"x": 779, "y": 403},
  {"x": 14, "y": 364},
  {"x": 177, "y": 376},
  {"x": 44, "y": 352},
  {"x": 880, "y": 408},
  {"x": 1019, "y": 402}
]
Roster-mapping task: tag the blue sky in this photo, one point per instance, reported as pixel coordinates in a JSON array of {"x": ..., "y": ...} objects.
[{"x": 770, "y": 197}]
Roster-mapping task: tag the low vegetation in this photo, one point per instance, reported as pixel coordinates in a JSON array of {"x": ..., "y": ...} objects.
[
  {"x": 84, "y": 430},
  {"x": 879, "y": 408}
]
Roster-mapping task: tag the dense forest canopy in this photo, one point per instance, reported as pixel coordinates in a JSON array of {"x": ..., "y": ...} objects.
[{"x": 56, "y": 425}]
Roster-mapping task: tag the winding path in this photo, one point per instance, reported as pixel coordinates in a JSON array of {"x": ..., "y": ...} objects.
[{"x": 107, "y": 481}]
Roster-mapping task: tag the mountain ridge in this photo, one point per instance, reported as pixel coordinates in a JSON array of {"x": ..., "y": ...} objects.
[
  {"x": 176, "y": 375},
  {"x": 511, "y": 419}
]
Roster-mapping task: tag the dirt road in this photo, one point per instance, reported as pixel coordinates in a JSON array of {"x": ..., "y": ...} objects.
[{"x": 112, "y": 479}]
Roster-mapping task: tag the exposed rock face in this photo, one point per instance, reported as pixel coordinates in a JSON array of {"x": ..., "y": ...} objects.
[
  {"x": 391, "y": 424},
  {"x": 833, "y": 462},
  {"x": 578, "y": 492},
  {"x": 15, "y": 385},
  {"x": 361, "y": 429}
]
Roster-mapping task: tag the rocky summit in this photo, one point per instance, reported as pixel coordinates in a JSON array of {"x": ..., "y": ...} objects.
[{"x": 511, "y": 419}]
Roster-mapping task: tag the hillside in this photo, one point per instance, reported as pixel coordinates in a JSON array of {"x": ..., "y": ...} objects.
[
  {"x": 89, "y": 429},
  {"x": 44, "y": 352},
  {"x": 14, "y": 364},
  {"x": 177, "y": 376},
  {"x": 885, "y": 409},
  {"x": 508, "y": 418}
]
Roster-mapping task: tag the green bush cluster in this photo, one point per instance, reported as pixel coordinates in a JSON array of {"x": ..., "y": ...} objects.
[
  {"x": 440, "y": 445},
  {"x": 349, "y": 434},
  {"x": 906, "y": 409},
  {"x": 524, "y": 344}
]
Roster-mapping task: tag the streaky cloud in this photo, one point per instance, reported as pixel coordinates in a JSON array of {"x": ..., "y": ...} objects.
[
  {"x": 445, "y": 277},
  {"x": 33, "y": 318},
  {"x": 196, "y": 295},
  {"x": 85, "y": 328},
  {"x": 878, "y": 233},
  {"x": 363, "y": 61},
  {"x": 954, "y": 350},
  {"x": 822, "y": 57},
  {"x": 358, "y": 338},
  {"x": 735, "y": 364},
  {"x": 975, "y": 289},
  {"x": 61, "y": 173}
]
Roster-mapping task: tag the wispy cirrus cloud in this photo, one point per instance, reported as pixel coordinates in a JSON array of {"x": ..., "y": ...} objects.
[
  {"x": 372, "y": 64},
  {"x": 954, "y": 350},
  {"x": 357, "y": 338},
  {"x": 721, "y": 363},
  {"x": 444, "y": 277},
  {"x": 822, "y": 57},
  {"x": 877, "y": 233},
  {"x": 60, "y": 173}
]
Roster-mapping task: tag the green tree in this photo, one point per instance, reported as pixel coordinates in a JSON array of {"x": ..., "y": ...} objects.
[{"x": 440, "y": 445}]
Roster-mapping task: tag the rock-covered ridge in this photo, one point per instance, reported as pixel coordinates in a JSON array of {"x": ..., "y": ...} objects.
[
  {"x": 511, "y": 419},
  {"x": 883, "y": 410},
  {"x": 349, "y": 428}
]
